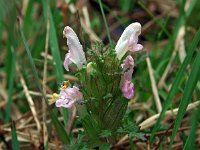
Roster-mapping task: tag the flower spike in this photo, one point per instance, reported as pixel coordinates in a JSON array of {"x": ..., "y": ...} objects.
[{"x": 76, "y": 54}]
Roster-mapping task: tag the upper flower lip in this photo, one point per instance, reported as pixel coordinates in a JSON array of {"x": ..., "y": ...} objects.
[
  {"x": 65, "y": 31},
  {"x": 76, "y": 54},
  {"x": 128, "y": 40}
]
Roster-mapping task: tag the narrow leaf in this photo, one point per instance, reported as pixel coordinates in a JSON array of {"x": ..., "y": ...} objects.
[
  {"x": 105, "y": 23},
  {"x": 189, "y": 88},
  {"x": 15, "y": 142},
  {"x": 190, "y": 141}
]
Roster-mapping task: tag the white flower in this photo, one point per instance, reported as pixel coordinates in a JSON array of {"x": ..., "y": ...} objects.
[
  {"x": 129, "y": 40},
  {"x": 76, "y": 54}
]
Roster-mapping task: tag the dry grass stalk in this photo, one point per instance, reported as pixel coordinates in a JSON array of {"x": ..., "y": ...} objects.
[
  {"x": 167, "y": 69},
  {"x": 49, "y": 57},
  {"x": 45, "y": 134},
  {"x": 39, "y": 94},
  {"x": 29, "y": 99},
  {"x": 153, "y": 85},
  {"x": 72, "y": 117},
  {"x": 180, "y": 43},
  {"x": 86, "y": 16},
  {"x": 92, "y": 35},
  {"x": 179, "y": 46},
  {"x": 152, "y": 120}
]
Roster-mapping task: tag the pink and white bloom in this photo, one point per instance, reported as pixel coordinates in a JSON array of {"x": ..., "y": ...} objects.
[
  {"x": 128, "y": 63},
  {"x": 76, "y": 54},
  {"x": 128, "y": 89},
  {"x": 126, "y": 85},
  {"x": 68, "y": 97},
  {"x": 129, "y": 40}
]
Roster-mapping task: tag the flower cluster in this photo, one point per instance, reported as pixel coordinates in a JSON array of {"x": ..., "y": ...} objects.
[{"x": 127, "y": 42}]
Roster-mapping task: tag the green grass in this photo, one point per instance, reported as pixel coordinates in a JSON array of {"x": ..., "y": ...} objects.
[
  {"x": 15, "y": 142},
  {"x": 177, "y": 81},
  {"x": 190, "y": 142},
  {"x": 187, "y": 94}
]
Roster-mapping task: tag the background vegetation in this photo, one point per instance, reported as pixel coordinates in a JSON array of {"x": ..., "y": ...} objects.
[{"x": 166, "y": 74}]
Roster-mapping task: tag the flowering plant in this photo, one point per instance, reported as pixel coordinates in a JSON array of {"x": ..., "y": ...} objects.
[{"x": 105, "y": 81}]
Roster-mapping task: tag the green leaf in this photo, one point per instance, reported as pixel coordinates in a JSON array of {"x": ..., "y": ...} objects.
[
  {"x": 132, "y": 130},
  {"x": 78, "y": 143},
  {"x": 15, "y": 142},
  {"x": 189, "y": 88},
  {"x": 176, "y": 82},
  {"x": 105, "y": 133}
]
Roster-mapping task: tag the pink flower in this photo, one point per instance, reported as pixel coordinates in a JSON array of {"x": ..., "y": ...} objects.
[
  {"x": 68, "y": 97},
  {"x": 127, "y": 76},
  {"x": 128, "y": 63},
  {"x": 129, "y": 40},
  {"x": 128, "y": 89},
  {"x": 76, "y": 54},
  {"x": 126, "y": 85},
  {"x": 132, "y": 43}
]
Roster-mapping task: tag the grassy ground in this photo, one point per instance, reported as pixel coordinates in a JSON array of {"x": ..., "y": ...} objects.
[{"x": 166, "y": 74}]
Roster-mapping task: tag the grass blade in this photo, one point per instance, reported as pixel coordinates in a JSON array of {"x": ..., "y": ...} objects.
[
  {"x": 10, "y": 75},
  {"x": 190, "y": 142},
  {"x": 10, "y": 53},
  {"x": 176, "y": 82},
  {"x": 15, "y": 142},
  {"x": 189, "y": 10},
  {"x": 189, "y": 88},
  {"x": 53, "y": 42},
  {"x": 61, "y": 131},
  {"x": 105, "y": 23}
]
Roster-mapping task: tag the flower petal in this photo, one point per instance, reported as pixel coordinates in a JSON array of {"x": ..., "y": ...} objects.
[
  {"x": 60, "y": 102},
  {"x": 67, "y": 61},
  {"x": 127, "y": 76},
  {"x": 128, "y": 63},
  {"x": 68, "y": 105},
  {"x": 128, "y": 89},
  {"x": 137, "y": 47},
  {"x": 126, "y": 37},
  {"x": 68, "y": 97},
  {"x": 133, "y": 39},
  {"x": 76, "y": 54}
]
